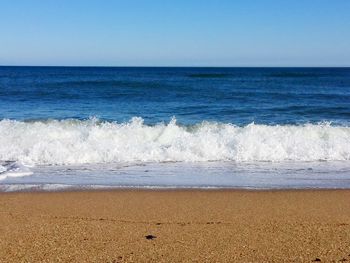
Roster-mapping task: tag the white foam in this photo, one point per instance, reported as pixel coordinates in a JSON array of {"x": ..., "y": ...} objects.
[
  {"x": 82, "y": 142},
  {"x": 13, "y": 169}
]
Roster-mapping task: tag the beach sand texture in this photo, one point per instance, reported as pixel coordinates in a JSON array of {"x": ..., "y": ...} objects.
[{"x": 175, "y": 226}]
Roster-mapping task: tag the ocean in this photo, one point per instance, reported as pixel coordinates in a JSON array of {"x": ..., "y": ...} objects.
[{"x": 134, "y": 127}]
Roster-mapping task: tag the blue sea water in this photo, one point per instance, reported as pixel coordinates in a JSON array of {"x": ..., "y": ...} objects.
[
  {"x": 174, "y": 127},
  {"x": 229, "y": 95}
]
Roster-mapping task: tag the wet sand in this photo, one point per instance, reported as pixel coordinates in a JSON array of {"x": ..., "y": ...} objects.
[{"x": 175, "y": 226}]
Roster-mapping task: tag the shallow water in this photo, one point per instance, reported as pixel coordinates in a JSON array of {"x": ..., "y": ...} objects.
[{"x": 208, "y": 175}]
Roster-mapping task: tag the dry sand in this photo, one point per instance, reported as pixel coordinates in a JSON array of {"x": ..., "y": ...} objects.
[{"x": 188, "y": 226}]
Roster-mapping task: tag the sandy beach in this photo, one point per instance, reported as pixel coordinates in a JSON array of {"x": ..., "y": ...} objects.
[{"x": 175, "y": 226}]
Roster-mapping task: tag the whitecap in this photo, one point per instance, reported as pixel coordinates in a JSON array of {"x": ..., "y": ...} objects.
[{"x": 87, "y": 142}]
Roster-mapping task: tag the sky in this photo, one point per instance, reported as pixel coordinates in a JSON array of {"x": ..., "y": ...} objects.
[{"x": 175, "y": 32}]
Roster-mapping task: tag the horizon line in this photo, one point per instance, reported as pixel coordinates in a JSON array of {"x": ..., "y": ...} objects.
[{"x": 147, "y": 66}]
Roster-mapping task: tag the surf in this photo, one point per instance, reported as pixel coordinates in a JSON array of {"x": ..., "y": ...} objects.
[{"x": 59, "y": 142}]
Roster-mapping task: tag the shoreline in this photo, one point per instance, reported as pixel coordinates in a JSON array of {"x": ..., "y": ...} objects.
[
  {"x": 133, "y": 225},
  {"x": 180, "y": 191},
  {"x": 166, "y": 189}
]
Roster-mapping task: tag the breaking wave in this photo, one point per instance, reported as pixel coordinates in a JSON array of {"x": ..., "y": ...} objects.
[{"x": 57, "y": 142}]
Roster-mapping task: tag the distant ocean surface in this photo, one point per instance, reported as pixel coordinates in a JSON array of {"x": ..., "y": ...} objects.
[{"x": 102, "y": 127}]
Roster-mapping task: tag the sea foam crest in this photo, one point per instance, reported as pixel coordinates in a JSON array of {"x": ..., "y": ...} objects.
[{"x": 91, "y": 141}]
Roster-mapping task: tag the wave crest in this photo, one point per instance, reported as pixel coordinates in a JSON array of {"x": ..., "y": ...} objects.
[{"x": 91, "y": 141}]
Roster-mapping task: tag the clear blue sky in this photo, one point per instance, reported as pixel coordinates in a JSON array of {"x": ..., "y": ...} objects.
[{"x": 175, "y": 32}]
